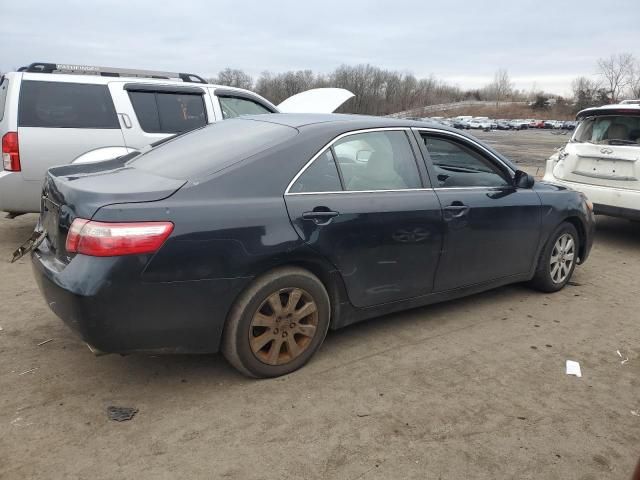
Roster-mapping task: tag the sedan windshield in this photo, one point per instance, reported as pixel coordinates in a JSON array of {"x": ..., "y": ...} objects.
[{"x": 609, "y": 130}]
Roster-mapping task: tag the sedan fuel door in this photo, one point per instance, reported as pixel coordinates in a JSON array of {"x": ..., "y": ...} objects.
[
  {"x": 492, "y": 227},
  {"x": 361, "y": 203},
  {"x": 316, "y": 100}
]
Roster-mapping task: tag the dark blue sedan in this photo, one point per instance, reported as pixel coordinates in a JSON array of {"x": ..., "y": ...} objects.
[{"x": 256, "y": 235}]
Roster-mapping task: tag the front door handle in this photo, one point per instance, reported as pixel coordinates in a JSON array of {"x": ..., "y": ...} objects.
[
  {"x": 456, "y": 210},
  {"x": 320, "y": 216}
]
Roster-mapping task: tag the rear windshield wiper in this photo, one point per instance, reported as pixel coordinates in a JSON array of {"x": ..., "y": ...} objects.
[{"x": 619, "y": 141}]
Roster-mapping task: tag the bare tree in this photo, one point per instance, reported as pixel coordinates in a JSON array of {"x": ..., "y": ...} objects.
[
  {"x": 234, "y": 78},
  {"x": 616, "y": 72},
  {"x": 634, "y": 81},
  {"x": 587, "y": 93},
  {"x": 500, "y": 88}
]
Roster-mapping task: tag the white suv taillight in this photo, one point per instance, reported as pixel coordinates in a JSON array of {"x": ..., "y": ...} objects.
[
  {"x": 10, "y": 152},
  {"x": 102, "y": 239}
]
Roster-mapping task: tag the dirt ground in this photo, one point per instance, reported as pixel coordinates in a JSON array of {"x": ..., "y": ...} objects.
[{"x": 474, "y": 388}]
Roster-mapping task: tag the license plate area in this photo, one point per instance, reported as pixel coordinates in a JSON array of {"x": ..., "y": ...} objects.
[
  {"x": 50, "y": 221},
  {"x": 605, "y": 168}
]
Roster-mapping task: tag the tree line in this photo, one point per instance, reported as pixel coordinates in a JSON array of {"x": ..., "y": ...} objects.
[
  {"x": 617, "y": 77},
  {"x": 381, "y": 92},
  {"x": 377, "y": 91}
]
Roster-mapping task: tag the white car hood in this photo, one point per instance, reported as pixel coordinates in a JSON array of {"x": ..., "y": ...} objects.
[{"x": 316, "y": 100}]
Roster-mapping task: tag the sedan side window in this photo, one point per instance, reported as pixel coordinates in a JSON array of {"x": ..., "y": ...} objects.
[
  {"x": 320, "y": 176},
  {"x": 458, "y": 165},
  {"x": 380, "y": 160},
  {"x": 235, "y": 106}
]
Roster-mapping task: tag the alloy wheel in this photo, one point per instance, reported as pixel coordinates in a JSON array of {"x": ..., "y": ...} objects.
[
  {"x": 283, "y": 326},
  {"x": 562, "y": 258}
]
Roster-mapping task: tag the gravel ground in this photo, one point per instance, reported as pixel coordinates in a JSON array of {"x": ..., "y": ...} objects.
[{"x": 473, "y": 388}]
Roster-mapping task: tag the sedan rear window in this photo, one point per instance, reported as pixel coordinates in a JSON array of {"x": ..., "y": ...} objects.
[{"x": 210, "y": 149}]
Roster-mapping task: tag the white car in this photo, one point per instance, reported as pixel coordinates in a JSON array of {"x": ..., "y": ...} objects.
[
  {"x": 54, "y": 114},
  {"x": 480, "y": 123},
  {"x": 602, "y": 160}
]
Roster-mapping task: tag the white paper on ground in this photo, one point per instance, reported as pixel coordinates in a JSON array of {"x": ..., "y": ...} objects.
[{"x": 573, "y": 368}]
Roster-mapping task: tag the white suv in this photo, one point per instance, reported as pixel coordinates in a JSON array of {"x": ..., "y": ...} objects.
[
  {"x": 53, "y": 114},
  {"x": 602, "y": 160}
]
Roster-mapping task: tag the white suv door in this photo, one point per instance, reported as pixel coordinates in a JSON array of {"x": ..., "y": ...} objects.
[{"x": 150, "y": 112}]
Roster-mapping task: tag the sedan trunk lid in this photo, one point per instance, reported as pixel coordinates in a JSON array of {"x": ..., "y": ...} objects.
[{"x": 80, "y": 190}]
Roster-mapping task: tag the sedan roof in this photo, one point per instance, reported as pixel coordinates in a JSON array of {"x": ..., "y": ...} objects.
[{"x": 299, "y": 120}]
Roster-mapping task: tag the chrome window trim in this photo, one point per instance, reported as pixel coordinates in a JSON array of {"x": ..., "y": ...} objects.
[
  {"x": 474, "y": 143},
  {"x": 363, "y": 191},
  {"x": 330, "y": 144}
]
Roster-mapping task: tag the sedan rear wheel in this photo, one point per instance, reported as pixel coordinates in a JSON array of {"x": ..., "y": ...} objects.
[
  {"x": 283, "y": 327},
  {"x": 277, "y": 323}
]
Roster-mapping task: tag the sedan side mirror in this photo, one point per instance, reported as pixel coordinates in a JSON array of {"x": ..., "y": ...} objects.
[{"x": 523, "y": 180}]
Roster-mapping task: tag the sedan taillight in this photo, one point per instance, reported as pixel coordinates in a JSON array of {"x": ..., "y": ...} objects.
[{"x": 103, "y": 239}]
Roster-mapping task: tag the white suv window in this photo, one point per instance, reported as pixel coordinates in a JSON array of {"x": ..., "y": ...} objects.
[
  {"x": 167, "y": 112},
  {"x": 234, "y": 107},
  {"x": 4, "y": 86},
  {"x": 609, "y": 130},
  {"x": 65, "y": 105}
]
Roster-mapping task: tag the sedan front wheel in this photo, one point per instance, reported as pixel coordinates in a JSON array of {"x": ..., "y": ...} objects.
[{"x": 557, "y": 260}]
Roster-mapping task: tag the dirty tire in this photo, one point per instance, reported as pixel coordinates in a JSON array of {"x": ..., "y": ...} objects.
[
  {"x": 543, "y": 279},
  {"x": 256, "y": 308}
]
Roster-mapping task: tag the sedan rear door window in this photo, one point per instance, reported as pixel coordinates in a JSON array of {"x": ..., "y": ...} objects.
[
  {"x": 458, "y": 165},
  {"x": 380, "y": 160},
  {"x": 320, "y": 176}
]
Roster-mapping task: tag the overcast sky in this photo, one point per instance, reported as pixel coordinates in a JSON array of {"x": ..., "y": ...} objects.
[{"x": 541, "y": 42}]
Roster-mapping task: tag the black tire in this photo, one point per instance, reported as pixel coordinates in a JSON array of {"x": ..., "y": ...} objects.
[
  {"x": 236, "y": 345},
  {"x": 543, "y": 280}
]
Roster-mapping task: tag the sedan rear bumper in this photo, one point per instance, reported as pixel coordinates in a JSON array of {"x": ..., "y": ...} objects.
[{"x": 115, "y": 312}]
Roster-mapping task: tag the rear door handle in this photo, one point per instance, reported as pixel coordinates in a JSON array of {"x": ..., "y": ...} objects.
[
  {"x": 456, "y": 210},
  {"x": 320, "y": 217},
  {"x": 125, "y": 120}
]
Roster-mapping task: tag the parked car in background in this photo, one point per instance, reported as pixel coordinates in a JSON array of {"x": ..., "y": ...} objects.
[
  {"x": 54, "y": 114},
  {"x": 537, "y": 124},
  {"x": 569, "y": 125},
  {"x": 519, "y": 124},
  {"x": 256, "y": 235},
  {"x": 503, "y": 125},
  {"x": 480, "y": 124},
  {"x": 602, "y": 160},
  {"x": 461, "y": 124}
]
